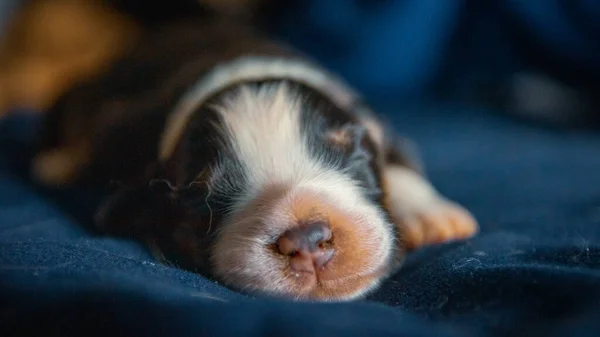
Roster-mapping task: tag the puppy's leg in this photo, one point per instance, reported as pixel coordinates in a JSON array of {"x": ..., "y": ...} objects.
[{"x": 422, "y": 214}]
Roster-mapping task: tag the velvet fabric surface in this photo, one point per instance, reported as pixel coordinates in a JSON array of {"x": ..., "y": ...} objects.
[{"x": 534, "y": 270}]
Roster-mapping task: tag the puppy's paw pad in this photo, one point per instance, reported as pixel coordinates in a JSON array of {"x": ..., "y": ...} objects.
[{"x": 437, "y": 222}]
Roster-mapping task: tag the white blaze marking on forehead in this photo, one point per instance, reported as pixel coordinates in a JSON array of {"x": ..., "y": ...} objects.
[
  {"x": 244, "y": 69},
  {"x": 263, "y": 127}
]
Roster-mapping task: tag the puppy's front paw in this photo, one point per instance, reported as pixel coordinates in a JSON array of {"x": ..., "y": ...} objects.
[
  {"x": 422, "y": 215},
  {"x": 436, "y": 222}
]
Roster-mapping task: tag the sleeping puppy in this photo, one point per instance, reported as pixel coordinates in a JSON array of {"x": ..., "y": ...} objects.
[{"x": 238, "y": 158}]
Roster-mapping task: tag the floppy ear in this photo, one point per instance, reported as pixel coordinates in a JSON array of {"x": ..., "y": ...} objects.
[
  {"x": 173, "y": 222},
  {"x": 359, "y": 153},
  {"x": 402, "y": 151},
  {"x": 395, "y": 149},
  {"x": 138, "y": 211}
]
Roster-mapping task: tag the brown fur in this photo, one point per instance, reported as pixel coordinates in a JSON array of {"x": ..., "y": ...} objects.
[{"x": 50, "y": 46}]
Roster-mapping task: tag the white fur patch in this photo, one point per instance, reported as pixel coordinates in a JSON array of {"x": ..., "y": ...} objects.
[{"x": 245, "y": 69}]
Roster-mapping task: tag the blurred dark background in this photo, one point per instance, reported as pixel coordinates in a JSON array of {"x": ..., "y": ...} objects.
[
  {"x": 534, "y": 59},
  {"x": 537, "y": 60}
]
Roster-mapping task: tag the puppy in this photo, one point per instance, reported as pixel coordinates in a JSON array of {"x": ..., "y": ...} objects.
[{"x": 241, "y": 159}]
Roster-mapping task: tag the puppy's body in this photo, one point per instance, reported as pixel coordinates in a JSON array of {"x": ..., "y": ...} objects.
[
  {"x": 49, "y": 46},
  {"x": 246, "y": 162}
]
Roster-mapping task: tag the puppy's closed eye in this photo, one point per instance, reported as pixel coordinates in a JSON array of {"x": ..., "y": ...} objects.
[
  {"x": 136, "y": 211},
  {"x": 358, "y": 159}
]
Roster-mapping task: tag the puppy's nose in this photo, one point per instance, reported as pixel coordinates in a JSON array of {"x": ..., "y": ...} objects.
[{"x": 309, "y": 246}]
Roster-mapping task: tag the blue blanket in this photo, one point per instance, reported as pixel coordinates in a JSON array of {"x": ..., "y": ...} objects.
[{"x": 533, "y": 270}]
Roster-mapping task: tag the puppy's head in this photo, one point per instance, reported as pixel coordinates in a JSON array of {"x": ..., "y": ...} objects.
[{"x": 280, "y": 193}]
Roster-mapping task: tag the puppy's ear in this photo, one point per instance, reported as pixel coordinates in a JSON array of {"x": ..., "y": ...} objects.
[
  {"x": 138, "y": 211},
  {"x": 402, "y": 151},
  {"x": 174, "y": 222},
  {"x": 360, "y": 155},
  {"x": 395, "y": 149}
]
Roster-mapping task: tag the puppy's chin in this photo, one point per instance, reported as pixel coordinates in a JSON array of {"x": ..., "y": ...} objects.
[{"x": 304, "y": 243}]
